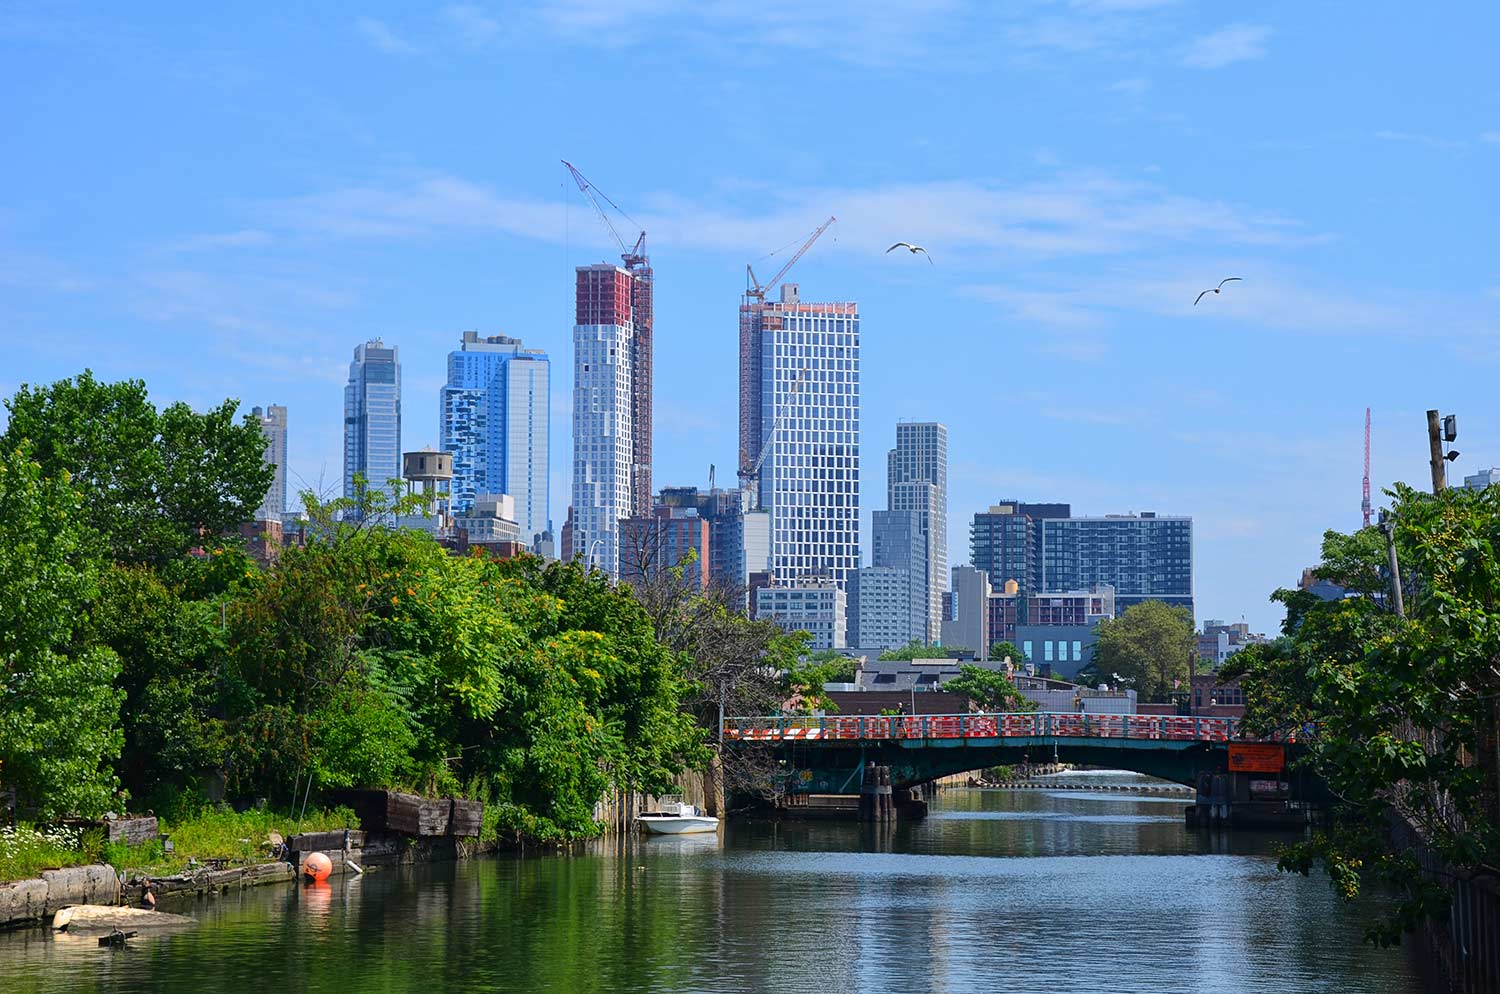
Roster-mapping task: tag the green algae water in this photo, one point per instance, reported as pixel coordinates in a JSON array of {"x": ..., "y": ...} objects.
[{"x": 1064, "y": 891}]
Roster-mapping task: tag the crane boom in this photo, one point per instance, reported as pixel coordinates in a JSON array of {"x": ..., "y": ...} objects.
[
  {"x": 632, "y": 255},
  {"x": 1365, "y": 503},
  {"x": 753, "y": 473},
  {"x": 759, "y": 290}
]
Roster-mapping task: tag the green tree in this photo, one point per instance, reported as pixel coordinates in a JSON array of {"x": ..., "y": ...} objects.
[
  {"x": 988, "y": 690},
  {"x": 1404, "y": 709},
  {"x": 1008, "y": 650},
  {"x": 153, "y": 483},
  {"x": 916, "y": 649},
  {"x": 1146, "y": 648},
  {"x": 59, "y": 712}
]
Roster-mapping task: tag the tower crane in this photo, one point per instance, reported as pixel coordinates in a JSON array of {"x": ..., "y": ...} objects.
[
  {"x": 633, "y": 256},
  {"x": 751, "y": 476},
  {"x": 754, "y": 289},
  {"x": 1364, "y": 505}
]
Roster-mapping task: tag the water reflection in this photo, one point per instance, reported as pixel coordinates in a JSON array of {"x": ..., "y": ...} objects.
[{"x": 1027, "y": 890}]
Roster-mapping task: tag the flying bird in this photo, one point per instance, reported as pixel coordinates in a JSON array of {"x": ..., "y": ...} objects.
[
  {"x": 1216, "y": 289},
  {"x": 913, "y": 249}
]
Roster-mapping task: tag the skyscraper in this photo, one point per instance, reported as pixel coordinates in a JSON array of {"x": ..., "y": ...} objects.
[
  {"x": 273, "y": 427},
  {"x": 799, "y": 407},
  {"x": 494, "y": 420},
  {"x": 604, "y": 406},
  {"x": 372, "y": 416},
  {"x": 917, "y": 480},
  {"x": 899, "y": 551}
]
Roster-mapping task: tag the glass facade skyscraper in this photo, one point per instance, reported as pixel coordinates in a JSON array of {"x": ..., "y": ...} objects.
[
  {"x": 799, "y": 385},
  {"x": 494, "y": 420},
  {"x": 372, "y": 416},
  {"x": 604, "y": 448},
  {"x": 917, "y": 481}
]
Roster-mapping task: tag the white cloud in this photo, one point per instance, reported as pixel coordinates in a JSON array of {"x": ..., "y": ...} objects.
[
  {"x": 1135, "y": 86},
  {"x": 1076, "y": 213},
  {"x": 244, "y": 238},
  {"x": 1416, "y": 138},
  {"x": 377, "y": 33},
  {"x": 1236, "y": 43},
  {"x": 1490, "y": 137},
  {"x": 475, "y": 27}
]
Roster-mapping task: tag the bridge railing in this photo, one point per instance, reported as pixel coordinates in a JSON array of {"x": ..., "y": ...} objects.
[{"x": 1026, "y": 724}]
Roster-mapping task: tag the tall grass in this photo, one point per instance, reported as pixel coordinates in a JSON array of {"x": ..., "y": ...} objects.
[{"x": 26, "y": 851}]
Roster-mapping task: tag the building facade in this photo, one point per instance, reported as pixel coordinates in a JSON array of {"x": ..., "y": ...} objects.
[
  {"x": 966, "y": 620},
  {"x": 739, "y": 537},
  {"x": 493, "y": 418},
  {"x": 917, "y": 481},
  {"x": 1483, "y": 478},
  {"x": 1143, "y": 556},
  {"x": 818, "y": 607},
  {"x": 881, "y": 607},
  {"x": 273, "y": 426},
  {"x": 799, "y": 408},
  {"x": 669, "y": 537},
  {"x": 1005, "y": 541},
  {"x": 900, "y": 542},
  {"x": 372, "y": 416},
  {"x": 603, "y": 413}
]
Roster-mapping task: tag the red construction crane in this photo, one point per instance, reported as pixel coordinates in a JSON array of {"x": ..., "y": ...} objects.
[
  {"x": 1365, "y": 504},
  {"x": 634, "y": 256},
  {"x": 757, "y": 290}
]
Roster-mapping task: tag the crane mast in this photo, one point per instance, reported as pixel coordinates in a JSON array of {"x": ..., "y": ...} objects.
[{"x": 1365, "y": 503}]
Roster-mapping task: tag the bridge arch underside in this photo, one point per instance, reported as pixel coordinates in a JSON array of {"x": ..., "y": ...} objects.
[{"x": 838, "y": 767}]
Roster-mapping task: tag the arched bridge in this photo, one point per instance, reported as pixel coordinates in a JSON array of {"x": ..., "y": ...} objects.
[{"x": 828, "y": 754}]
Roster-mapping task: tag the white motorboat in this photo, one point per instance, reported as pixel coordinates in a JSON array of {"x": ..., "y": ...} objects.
[{"x": 673, "y": 817}]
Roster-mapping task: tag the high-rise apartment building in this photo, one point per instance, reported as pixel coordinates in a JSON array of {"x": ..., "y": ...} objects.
[
  {"x": 818, "y": 607},
  {"x": 799, "y": 407},
  {"x": 739, "y": 540},
  {"x": 1143, "y": 556},
  {"x": 604, "y": 413},
  {"x": 494, "y": 420},
  {"x": 1005, "y": 542},
  {"x": 917, "y": 480},
  {"x": 372, "y": 416},
  {"x": 273, "y": 426},
  {"x": 899, "y": 542},
  {"x": 966, "y": 620}
]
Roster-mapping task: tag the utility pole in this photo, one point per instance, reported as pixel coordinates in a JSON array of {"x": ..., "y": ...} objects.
[
  {"x": 1435, "y": 449},
  {"x": 1388, "y": 526}
]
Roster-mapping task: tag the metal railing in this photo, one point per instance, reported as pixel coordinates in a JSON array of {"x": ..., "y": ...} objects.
[{"x": 1032, "y": 724}]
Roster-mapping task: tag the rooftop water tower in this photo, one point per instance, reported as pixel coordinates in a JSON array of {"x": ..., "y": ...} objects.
[{"x": 429, "y": 474}]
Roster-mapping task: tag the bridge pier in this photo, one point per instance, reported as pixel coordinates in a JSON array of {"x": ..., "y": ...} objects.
[
  {"x": 876, "y": 802},
  {"x": 1230, "y": 799}
]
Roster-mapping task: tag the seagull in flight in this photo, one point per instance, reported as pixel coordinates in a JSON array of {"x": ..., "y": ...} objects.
[
  {"x": 913, "y": 249},
  {"x": 1216, "y": 289}
]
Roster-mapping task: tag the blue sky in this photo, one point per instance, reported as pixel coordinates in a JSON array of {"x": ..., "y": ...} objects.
[{"x": 225, "y": 199}]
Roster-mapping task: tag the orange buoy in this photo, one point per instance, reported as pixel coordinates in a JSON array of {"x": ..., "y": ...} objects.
[{"x": 316, "y": 867}]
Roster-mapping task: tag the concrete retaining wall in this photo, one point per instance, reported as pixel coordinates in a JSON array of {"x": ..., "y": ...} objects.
[{"x": 25, "y": 901}]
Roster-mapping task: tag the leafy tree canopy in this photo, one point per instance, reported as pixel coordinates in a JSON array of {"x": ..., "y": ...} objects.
[
  {"x": 1403, "y": 710},
  {"x": 988, "y": 690},
  {"x": 153, "y": 483},
  {"x": 916, "y": 650},
  {"x": 1146, "y": 648},
  {"x": 1006, "y": 649},
  {"x": 59, "y": 711}
]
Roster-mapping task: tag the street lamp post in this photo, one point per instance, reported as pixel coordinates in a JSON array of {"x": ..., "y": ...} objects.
[{"x": 589, "y": 557}]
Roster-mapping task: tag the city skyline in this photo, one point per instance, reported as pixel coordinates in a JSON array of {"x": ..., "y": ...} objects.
[{"x": 1067, "y": 243}]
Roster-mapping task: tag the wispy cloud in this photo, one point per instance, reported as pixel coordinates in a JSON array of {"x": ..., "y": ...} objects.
[
  {"x": 1236, "y": 43},
  {"x": 1074, "y": 213},
  {"x": 379, "y": 34},
  {"x": 1490, "y": 137},
  {"x": 1416, "y": 138},
  {"x": 244, "y": 238},
  {"x": 1134, "y": 87},
  {"x": 475, "y": 27}
]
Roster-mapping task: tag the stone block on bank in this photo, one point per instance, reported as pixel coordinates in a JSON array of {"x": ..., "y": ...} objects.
[
  {"x": 94, "y": 884},
  {"x": 22, "y": 901}
]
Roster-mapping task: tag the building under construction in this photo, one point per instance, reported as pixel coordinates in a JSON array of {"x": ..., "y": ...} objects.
[{"x": 799, "y": 430}]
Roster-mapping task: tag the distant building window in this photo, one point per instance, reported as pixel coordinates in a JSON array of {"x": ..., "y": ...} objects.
[
  {"x": 1077, "y": 651},
  {"x": 1026, "y": 649},
  {"x": 1047, "y": 650},
  {"x": 885, "y": 678}
]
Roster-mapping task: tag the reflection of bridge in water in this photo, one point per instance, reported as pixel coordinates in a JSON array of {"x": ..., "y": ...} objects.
[{"x": 829, "y": 754}]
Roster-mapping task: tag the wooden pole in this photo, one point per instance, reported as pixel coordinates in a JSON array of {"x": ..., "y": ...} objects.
[{"x": 1435, "y": 453}]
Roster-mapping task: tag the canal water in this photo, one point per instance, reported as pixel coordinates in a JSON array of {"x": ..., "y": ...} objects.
[{"x": 1019, "y": 890}]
